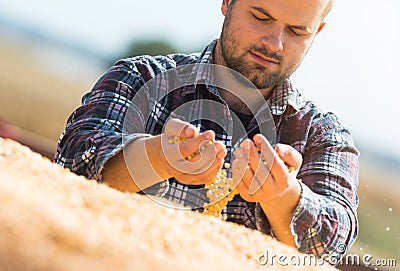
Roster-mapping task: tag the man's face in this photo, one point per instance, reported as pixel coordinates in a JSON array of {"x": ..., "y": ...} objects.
[{"x": 266, "y": 40}]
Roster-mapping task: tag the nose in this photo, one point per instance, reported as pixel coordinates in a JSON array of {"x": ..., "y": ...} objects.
[{"x": 273, "y": 39}]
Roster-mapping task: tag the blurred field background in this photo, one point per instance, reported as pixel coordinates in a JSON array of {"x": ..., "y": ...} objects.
[{"x": 43, "y": 77}]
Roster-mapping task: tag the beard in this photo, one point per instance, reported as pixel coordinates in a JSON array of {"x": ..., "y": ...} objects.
[{"x": 237, "y": 60}]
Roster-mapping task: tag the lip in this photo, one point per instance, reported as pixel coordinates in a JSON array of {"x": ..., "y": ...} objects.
[{"x": 264, "y": 61}]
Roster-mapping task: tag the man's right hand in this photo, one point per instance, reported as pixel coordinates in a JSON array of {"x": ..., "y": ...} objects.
[
  {"x": 193, "y": 160},
  {"x": 150, "y": 160}
]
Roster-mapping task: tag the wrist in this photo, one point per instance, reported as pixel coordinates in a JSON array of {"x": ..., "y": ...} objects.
[
  {"x": 281, "y": 208},
  {"x": 138, "y": 158},
  {"x": 155, "y": 156}
]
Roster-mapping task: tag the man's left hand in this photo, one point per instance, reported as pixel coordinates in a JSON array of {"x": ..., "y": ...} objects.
[{"x": 268, "y": 176}]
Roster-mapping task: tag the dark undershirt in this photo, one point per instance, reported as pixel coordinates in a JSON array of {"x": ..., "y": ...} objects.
[{"x": 245, "y": 120}]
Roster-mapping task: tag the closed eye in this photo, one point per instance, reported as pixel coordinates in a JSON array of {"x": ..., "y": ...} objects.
[
  {"x": 296, "y": 32},
  {"x": 261, "y": 18}
]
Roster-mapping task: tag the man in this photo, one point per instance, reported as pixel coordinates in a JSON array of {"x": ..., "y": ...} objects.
[{"x": 306, "y": 197}]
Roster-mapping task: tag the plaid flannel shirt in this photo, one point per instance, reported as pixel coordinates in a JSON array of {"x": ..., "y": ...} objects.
[{"x": 325, "y": 217}]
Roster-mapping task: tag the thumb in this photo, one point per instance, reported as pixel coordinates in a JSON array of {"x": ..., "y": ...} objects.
[{"x": 289, "y": 155}]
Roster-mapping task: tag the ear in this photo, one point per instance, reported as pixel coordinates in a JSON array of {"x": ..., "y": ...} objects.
[
  {"x": 320, "y": 27},
  {"x": 225, "y": 6}
]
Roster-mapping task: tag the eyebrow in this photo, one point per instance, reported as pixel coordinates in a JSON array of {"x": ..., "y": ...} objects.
[{"x": 298, "y": 27}]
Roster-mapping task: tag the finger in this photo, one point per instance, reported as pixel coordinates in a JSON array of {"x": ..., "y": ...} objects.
[
  {"x": 267, "y": 152},
  {"x": 189, "y": 131},
  {"x": 198, "y": 179},
  {"x": 241, "y": 154},
  {"x": 206, "y": 156},
  {"x": 238, "y": 170},
  {"x": 221, "y": 149},
  {"x": 278, "y": 168},
  {"x": 177, "y": 127},
  {"x": 246, "y": 145},
  {"x": 239, "y": 165},
  {"x": 200, "y": 163},
  {"x": 198, "y": 143},
  {"x": 256, "y": 184},
  {"x": 260, "y": 169},
  {"x": 195, "y": 155},
  {"x": 243, "y": 191},
  {"x": 211, "y": 173},
  {"x": 243, "y": 186},
  {"x": 289, "y": 155}
]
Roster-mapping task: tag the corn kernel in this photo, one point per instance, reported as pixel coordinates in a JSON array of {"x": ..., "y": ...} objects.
[{"x": 220, "y": 190}]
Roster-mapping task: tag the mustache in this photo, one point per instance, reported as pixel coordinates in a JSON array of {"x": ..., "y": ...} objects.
[{"x": 267, "y": 53}]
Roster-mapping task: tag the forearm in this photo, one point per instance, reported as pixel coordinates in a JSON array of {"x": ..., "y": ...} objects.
[
  {"x": 280, "y": 212},
  {"x": 324, "y": 224},
  {"x": 319, "y": 224},
  {"x": 97, "y": 132},
  {"x": 137, "y": 167},
  {"x": 280, "y": 226}
]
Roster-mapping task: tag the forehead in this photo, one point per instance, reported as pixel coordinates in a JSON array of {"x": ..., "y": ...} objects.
[{"x": 293, "y": 12}]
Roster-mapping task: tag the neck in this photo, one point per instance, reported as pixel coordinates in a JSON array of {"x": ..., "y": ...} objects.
[{"x": 238, "y": 95}]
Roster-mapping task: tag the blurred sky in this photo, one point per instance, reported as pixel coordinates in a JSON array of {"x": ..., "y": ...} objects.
[{"x": 351, "y": 70}]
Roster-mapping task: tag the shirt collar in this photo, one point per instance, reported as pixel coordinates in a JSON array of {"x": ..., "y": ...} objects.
[
  {"x": 200, "y": 70},
  {"x": 283, "y": 96},
  {"x": 203, "y": 71}
]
